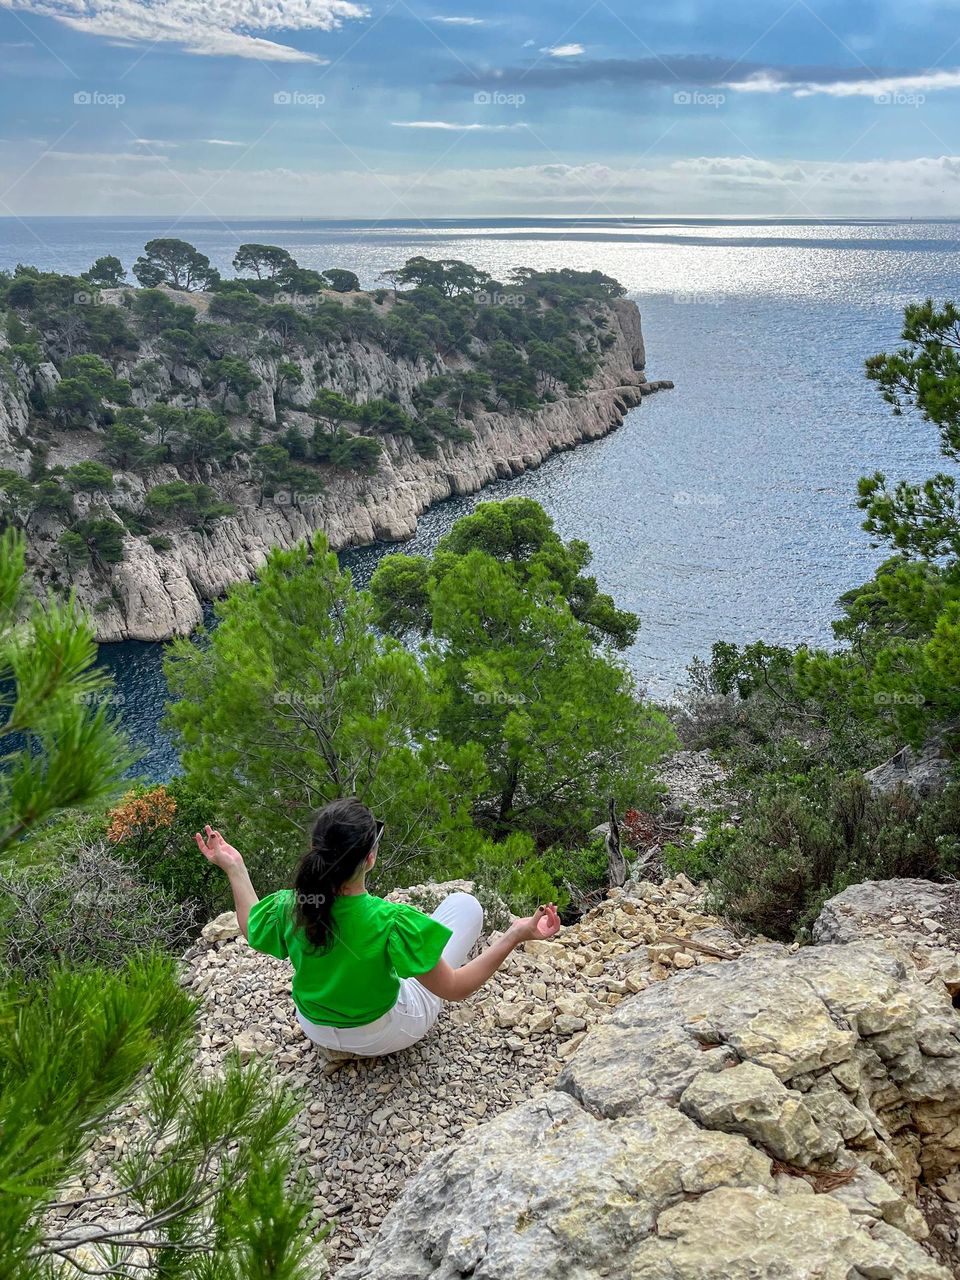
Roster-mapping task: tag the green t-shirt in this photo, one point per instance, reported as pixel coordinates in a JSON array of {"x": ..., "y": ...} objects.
[{"x": 357, "y": 980}]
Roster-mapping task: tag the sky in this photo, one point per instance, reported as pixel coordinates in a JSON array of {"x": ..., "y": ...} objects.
[{"x": 399, "y": 109}]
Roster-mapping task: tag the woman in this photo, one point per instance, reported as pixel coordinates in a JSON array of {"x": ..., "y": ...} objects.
[{"x": 369, "y": 976}]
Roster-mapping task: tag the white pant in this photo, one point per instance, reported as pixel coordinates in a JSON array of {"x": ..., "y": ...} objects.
[{"x": 417, "y": 1009}]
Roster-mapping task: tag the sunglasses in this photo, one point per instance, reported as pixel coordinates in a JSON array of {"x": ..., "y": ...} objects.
[{"x": 379, "y": 824}]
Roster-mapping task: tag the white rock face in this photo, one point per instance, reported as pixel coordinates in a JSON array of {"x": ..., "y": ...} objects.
[
  {"x": 154, "y": 595},
  {"x": 14, "y": 416},
  {"x": 762, "y": 1119}
]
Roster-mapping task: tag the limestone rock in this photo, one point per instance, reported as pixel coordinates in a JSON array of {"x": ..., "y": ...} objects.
[
  {"x": 749, "y": 1099},
  {"x": 566, "y": 1024},
  {"x": 692, "y": 779},
  {"x": 252, "y": 1043},
  {"x": 222, "y": 928},
  {"x": 547, "y": 1192},
  {"x": 765, "y": 1118},
  {"x": 924, "y": 772},
  {"x": 769, "y": 1117},
  {"x": 892, "y": 908},
  {"x": 746, "y": 1233}
]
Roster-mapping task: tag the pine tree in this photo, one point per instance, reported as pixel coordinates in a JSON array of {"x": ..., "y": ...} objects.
[
  {"x": 204, "y": 1188},
  {"x": 62, "y": 750}
]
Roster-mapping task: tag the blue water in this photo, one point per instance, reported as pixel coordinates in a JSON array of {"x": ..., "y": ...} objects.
[{"x": 721, "y": 510}]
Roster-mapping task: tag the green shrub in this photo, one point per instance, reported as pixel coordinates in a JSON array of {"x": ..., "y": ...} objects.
[
  {"x": 514, "y": 872},
  {"x": 804, "y": 838},
  {"x": 578, "y": 873}
]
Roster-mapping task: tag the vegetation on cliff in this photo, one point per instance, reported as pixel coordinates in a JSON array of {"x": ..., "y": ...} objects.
[{"x": 191, "y": 385}]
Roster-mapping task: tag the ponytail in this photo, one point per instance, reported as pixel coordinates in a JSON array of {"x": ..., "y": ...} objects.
[{"x": 343, "y": 834}]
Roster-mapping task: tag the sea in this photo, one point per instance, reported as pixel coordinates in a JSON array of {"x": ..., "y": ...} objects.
[{"x": 722, "y": 510}]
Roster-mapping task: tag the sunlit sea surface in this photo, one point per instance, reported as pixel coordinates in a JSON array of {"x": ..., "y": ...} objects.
[{"x": 721, "y": 510}]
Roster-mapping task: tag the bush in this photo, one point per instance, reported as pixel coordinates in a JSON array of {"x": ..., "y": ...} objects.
[
  {"x": 87, "y": 906},
  {"x": 511, "y": 871},
  {"x": 804, "y": 838},
  {"x": 747, "y": 705},
  {"x": 152, "y": 829}
]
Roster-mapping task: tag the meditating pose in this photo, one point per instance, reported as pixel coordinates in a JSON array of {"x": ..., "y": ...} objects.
[{"x": 370, "y": 976}]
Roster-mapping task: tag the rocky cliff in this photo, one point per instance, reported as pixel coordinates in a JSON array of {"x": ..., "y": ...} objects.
[
  {"x": 788, "y": 1113},
  {"x": 155, "y": 594}
]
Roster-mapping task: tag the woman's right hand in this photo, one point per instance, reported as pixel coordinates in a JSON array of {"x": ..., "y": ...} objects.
[
  {"x": 543, "y": 925},
  {"x": 216, "y": 850}
]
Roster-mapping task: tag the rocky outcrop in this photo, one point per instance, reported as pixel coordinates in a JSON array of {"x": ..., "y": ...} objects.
[
  {"x": 924, "y": 772},
  {"x": 768, "y": 1117},
  {"x": 724, "y": 1110},
  {"x": 368, "y": 1125},
  {"x": 917, "y": 914},
  {"x": 156, "y": 594}
]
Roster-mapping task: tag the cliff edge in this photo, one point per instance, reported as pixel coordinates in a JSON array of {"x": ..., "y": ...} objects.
[{"x": 648, "y": 1097}]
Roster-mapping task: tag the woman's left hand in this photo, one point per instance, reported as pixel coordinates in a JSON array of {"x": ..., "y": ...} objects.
[
  {"x": 216, "y": 850},
  {"x": 543, "y": 925}
]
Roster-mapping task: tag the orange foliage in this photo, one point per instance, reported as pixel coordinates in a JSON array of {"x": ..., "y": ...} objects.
[{"x": 137, "y": 815}]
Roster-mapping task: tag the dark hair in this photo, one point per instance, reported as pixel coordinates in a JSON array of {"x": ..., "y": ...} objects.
[{"x": 343, "y": 834}]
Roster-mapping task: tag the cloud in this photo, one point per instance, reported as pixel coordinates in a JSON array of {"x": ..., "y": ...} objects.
[
  {"x": 110, "y": 159},
  {"x": 460, "y": 22},
  {"x": 709, "y": 71},
  {"x": 163, "y": 144},
  {"x": 694, "y": 69},
  {"x": 133, "y": 184},
  {"x": 452, "y": 126},
  {"x": 864, "y": 87},
  {"x": 564, "y": 50},
  {"x": 212, "y": 28}
]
